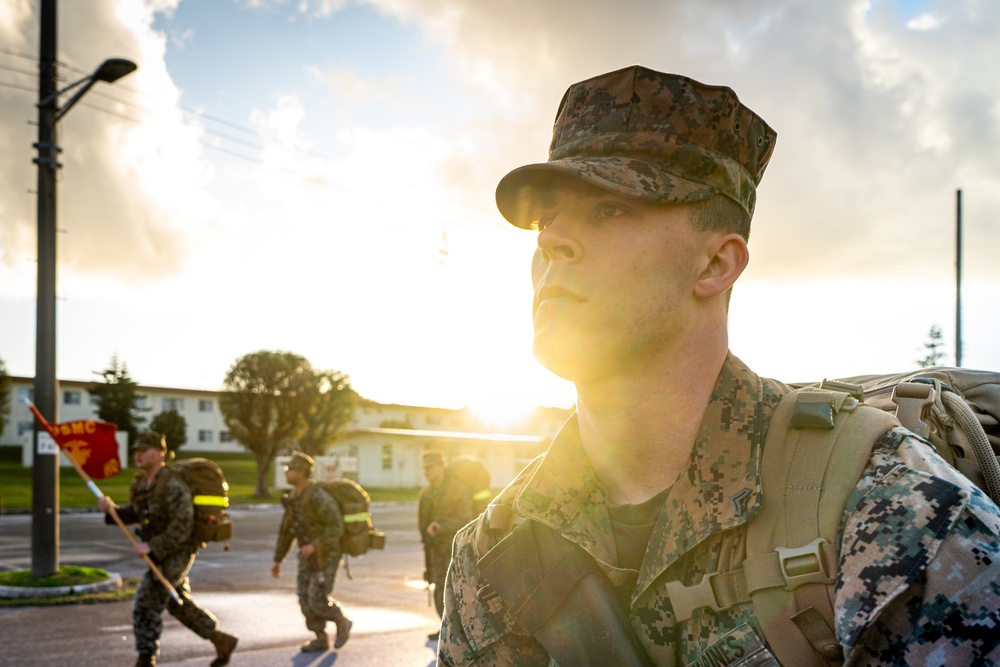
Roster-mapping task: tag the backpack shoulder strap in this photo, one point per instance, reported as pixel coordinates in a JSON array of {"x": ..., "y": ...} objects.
[
  {"x": 817, "y": 446},
  {"x": 162, "y": 477}
]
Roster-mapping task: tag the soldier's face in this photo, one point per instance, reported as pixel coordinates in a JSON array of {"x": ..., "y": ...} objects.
[
  {"x": 434, "y": 473},
  {"x": 613, "y": 278},
  {"x": 148, "y": 457}
]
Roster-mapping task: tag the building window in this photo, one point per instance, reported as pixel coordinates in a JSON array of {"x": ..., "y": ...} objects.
[
  {"x": 387, "y": 456},
  {"x": 224, "y": 436},
  {"x": 205, "y": 405},
  {"x": 71, "y": 398},
  {"x": 94, "y": 400},
  {"x": 204, "y": 436},
  {"x": 433, "y": 420},
  {"x": 140, "y": 402},
  {"x": 26, "y": 393},
  {"x": 176, "y": 404},
  {"x": 24, "y": 427}
]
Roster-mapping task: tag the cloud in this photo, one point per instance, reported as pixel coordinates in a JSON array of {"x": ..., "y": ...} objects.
[
  {"x": 878, "y": 123},
  {"x": 127, "y": 153},
  {"x": 324, "y": 232}
]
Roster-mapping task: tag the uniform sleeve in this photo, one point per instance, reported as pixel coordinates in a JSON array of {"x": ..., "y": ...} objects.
[
  {"x": 285, "y": 537},
  {"x": 423, "y": 512},
  {"x": 920, "y": 563},
  {"x": 180, "y": 523},
  {"x": 477, "y": 631},
  {"x": 125, "y": 512}
]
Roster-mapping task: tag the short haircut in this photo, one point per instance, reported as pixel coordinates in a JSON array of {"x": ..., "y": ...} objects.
[{"x": 720, "y": 214}]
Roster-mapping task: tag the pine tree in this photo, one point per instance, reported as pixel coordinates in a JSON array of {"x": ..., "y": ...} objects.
[
  {"x": 933, "y": 347},
  {"x": 118, "y": 400}
]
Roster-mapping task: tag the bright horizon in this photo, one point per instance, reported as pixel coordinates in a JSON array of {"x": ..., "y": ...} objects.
[{"x": 318, "y": 178}]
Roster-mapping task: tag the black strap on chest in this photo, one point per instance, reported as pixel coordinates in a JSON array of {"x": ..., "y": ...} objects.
[{"x": 559, "y": 594}]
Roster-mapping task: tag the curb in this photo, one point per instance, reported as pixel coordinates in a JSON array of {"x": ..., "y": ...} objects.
[{"x": 113, "y": 582}]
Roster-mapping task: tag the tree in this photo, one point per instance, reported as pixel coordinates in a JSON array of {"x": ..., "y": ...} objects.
[
  {"x": 933, "y": 347},
  {"x": 118, "y": 399},
  {"x": 265, "y": 399},
  {"x": 4, "y": 395},
  {"x": 173, "y": 426},
  {"x": 333, "y": 404}
]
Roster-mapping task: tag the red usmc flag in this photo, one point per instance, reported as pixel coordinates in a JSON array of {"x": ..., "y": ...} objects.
[{"x": 91, "y": 442}]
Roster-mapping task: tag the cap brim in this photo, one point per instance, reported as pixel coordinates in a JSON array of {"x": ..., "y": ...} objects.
[{"x": 625, "y": 176}]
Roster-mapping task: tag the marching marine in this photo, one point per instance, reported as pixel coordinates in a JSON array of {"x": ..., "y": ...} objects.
[
  {"x": 444, "y": 506},
  {"x": 314, "y": 520},
  {"x": 161, "y": 504}
]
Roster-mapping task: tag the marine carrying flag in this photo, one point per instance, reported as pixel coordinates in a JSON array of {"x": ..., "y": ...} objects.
[{"x": 91, "y": 442}]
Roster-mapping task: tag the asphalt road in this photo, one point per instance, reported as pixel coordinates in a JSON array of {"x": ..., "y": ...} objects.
[{"x": 385, "y": 599}]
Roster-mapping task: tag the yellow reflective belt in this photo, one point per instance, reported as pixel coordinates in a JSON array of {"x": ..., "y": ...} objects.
[
  {"x": 354, "y": 518},
  {"x": 217, "y": 501},
  {"x": 482, "y": 495}
]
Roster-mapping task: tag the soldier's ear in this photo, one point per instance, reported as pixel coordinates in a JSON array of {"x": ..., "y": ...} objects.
[{"x": 726, "y": 256}]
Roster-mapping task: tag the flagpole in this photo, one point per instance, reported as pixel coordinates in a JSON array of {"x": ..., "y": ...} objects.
[{"x": 111, "y": 510}]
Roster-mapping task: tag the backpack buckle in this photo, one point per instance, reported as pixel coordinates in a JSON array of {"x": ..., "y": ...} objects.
[
  {"x": 685, "y": 599},
  {"x": 911, "y": 399},
  {"x": 803, "y": 565}
]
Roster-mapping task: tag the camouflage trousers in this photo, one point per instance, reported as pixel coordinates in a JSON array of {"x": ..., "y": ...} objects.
[
  {"x": 151, "y": 597},
  {"x": 439, "y": 559},
  {"x": 314, "y": 589}
]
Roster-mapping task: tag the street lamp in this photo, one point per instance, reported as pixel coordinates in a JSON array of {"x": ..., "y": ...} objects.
[{"x": 45, "y": 464}]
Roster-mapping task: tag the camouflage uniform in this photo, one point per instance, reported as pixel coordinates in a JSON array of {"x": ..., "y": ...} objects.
[
  {"x": 919, "y": 575},
  {"x": 166, "y": 517},
  {"x": 317, "y": 518},
  {"x": 450, "y": 504}
]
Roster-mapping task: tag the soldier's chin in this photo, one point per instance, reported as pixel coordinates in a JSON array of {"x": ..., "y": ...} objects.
[{"x": 559, "y": 357}]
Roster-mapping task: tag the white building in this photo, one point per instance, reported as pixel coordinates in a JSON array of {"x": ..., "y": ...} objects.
[{"x": 386, "y": 439}]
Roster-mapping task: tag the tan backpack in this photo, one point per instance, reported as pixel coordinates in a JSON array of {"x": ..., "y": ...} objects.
[{"x": 817, "y": 446}]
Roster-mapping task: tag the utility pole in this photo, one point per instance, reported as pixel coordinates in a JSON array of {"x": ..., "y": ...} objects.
[
  {"x": 45, "y": 462},
  {"x": 958, "y": 278},
  {"x": 45, "y": 478}
]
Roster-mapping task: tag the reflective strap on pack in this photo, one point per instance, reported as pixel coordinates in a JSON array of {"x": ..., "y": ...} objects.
[
  {"x": 214, "y": 501},
  {"x": 357, "y": 517},
  {"x": 481, "y": 495}
]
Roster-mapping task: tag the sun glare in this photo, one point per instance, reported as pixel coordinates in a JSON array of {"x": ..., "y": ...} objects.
[{"x": 502, "y": 413}]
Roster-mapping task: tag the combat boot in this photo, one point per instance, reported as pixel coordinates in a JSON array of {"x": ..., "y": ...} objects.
[
  {"x": 146, "y": 660},
  {"x": 224, "y": 647},
  {"x": 321, "y": 643},
  {"x": 344, "y": 625}
]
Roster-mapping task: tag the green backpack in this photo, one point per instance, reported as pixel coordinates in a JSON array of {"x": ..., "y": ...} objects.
[
  {"x": 210, "y": 495},
  {"x": 474, "y": 475},
  {"x": 360, "y": 534}
]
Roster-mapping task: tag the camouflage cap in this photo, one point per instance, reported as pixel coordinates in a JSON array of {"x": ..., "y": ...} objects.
[
  {"x": 652, "y": 136},
  {"x": 302, "y": 461},
  {"x": 151, "y": 440},
  {"x": 432, "y": 457}
]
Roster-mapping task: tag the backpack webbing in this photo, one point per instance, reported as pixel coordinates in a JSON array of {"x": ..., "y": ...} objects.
[{"x": 817, "y": 446}]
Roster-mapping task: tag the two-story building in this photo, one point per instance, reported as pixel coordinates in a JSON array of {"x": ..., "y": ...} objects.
[{"x": 385, "y": 439}]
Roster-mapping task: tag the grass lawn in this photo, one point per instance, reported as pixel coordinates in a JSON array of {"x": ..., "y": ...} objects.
[{"x": 240, "y": 470}]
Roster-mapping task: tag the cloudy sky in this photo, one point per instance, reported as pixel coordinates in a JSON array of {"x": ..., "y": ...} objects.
[{"x": 317, "y": 176}]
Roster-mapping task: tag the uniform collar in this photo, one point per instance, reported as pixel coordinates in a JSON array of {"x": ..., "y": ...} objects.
[{"x": 720, "y": 490}]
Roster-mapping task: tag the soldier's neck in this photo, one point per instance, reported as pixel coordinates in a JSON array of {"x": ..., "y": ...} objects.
[{"x": 151, "y": 473}]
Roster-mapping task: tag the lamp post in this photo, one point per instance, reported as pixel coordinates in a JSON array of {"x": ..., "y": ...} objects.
[{"x": 45, "y": 465}]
